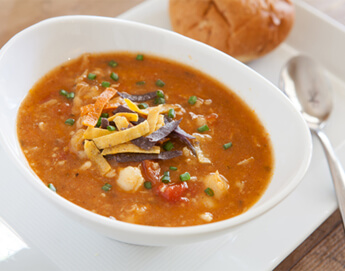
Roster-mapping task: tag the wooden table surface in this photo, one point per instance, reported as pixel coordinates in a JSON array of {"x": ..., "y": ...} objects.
[{"x": 325, "y": 248}]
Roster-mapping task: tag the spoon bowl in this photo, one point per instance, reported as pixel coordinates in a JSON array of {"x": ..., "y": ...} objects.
[{"x": 305, "y": 83}]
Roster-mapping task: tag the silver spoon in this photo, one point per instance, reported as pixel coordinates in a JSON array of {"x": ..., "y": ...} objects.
[{"x": 304, "y": 82}]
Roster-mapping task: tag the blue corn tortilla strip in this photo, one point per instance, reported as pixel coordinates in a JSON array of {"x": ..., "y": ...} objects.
[
  {"x": 139, "y": 157},
  {"x": 185, "y": 140},
  {"x": 178, "y": 129},
  {"x": 138, "y": 98},
  {"x": 149, "y": 141}
]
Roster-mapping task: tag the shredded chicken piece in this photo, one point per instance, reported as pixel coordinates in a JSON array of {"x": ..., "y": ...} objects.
[
  {"x": 76, "y": 144},
  {"x": 245, "y": 161}
]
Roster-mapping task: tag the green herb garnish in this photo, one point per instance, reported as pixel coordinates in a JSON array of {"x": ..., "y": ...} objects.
[
  {"x": 140, "y": 83},
  {"x": 106, "y": 187},
  {"x": 91, "y": 76},
  {"x": 148, "y": 185},
  {"x": 51, "y": 187},
  {"x": 168, "y": 146},
  {"x": 105, "y": 84},
  {"x": 185, "y": 177},
  {"x": 209, "y": 192},
  {"x": 111, "y": 128},
  {"x": 171, "y": 113},
  {"x": 143, "y": 105},
  {"x": 160, "y": 83},
  {"x": 227, "y": 145},
  {"x": 173, "y": 168},
  {"x": 166, "y": 177},
  {"x": 140, "y": 57},
  {"x": 203, "y": 128},
  {"x": 63, "y": 92},
  {"x": 69, "y": 122},
  {"x": 112, "y": 63},
  {"x": 114, "y": 76},
  {"x": 192, "y": 100}
]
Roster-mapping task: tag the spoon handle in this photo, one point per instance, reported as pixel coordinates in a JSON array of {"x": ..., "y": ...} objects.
[{"x": 336, "y": 169}]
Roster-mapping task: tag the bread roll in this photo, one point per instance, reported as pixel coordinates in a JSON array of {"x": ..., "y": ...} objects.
[{"x": 244, "y": 29}]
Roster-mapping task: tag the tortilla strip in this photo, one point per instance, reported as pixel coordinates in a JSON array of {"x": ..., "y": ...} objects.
[
  {"x": 95, "y": 156},
  {"x": 92, "y": 132},
  {"x": 160, "y": 122},
  {"x": 129, "y": 148},
  {"x": 117, "y": 138},
  {"x": 135, "y": 108},
  {"x": 121, "y": 123},
  {"x": 129, "y": 116},
  {"x": 93, "y": 116},
  {"x": 152, "y": 117}
]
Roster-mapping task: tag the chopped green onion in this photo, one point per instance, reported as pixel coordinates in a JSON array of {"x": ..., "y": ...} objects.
[
  {"x": 63, "y": 92},
  {"x": 104, "y": 115},
  {"x": 166, "y": 177},
  {"x": 171, "y": 113},
  {"x": 70, "y": 95},
  {"x": 209, "y": 192},
  {"x": 227, "y": 145},
  {"x": 160, "y": 93},
  {"x": 143, "y": 105},
  {"x": 185, "y": 177},
  {"x": 51, "y": 187},
  {"x": 111, "y": 128},
  {"x": 148, "y": 185},
  {"x": 91, "y": 76},
  {"x": 106, "y": 187},
  {"x": 112, "y": 63},
  {"x": 140, "y": 57},
  {"x": 140, "y": 83},
  {"x": 160, "y": 83},
  {"x": 114, "y": 76},
  {"x": 105, "y": 84},
  {"x": 192, "y": 100},
  {"x": 159, "y": 100},
  {"x": 69, "y": 122},
  {"x": 99, "y": 122},
  {"x": 173, "y": 168},
  {"x": 203, "y": 128},
  {"x": 168, "y": 146}
]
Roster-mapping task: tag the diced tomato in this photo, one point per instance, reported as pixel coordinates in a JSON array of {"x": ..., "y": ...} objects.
[
  {"x": 151, "y": 171},
  {"x": 172, "y": 192}
]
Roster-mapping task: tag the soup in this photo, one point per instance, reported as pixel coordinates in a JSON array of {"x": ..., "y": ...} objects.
[{"x": 144, "y": 140}]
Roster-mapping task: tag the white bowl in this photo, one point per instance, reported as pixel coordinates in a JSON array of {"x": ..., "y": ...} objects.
[{"x": 41, "y": 47}]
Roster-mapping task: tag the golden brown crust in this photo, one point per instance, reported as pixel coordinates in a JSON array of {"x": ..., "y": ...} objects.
[{"x": 245, "y": 29}]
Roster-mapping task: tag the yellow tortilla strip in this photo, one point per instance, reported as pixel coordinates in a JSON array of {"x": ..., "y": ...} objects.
[
  {"x": 121, "y": 123},
  {"x": 152, "y": 117},
  {"x": 129, "y": 116},
  {"x": 92, "y": 132},
  {"x": 160, "y": 122},
  {"x": 129, "y": 147},
  {"x": 117, "y": 138},
  {"x": 95, "y": 156},
  {"x": 135, "y": 108}
]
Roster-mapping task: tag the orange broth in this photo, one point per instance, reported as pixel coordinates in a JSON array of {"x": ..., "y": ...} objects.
[{"x": 232, "y": 180}]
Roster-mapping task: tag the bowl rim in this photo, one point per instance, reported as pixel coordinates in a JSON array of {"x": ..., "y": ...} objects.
[{"x": 145, "y": 229}]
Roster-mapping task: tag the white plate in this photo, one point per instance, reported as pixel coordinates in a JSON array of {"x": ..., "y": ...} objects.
[{"x": 258, "y": 245}]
